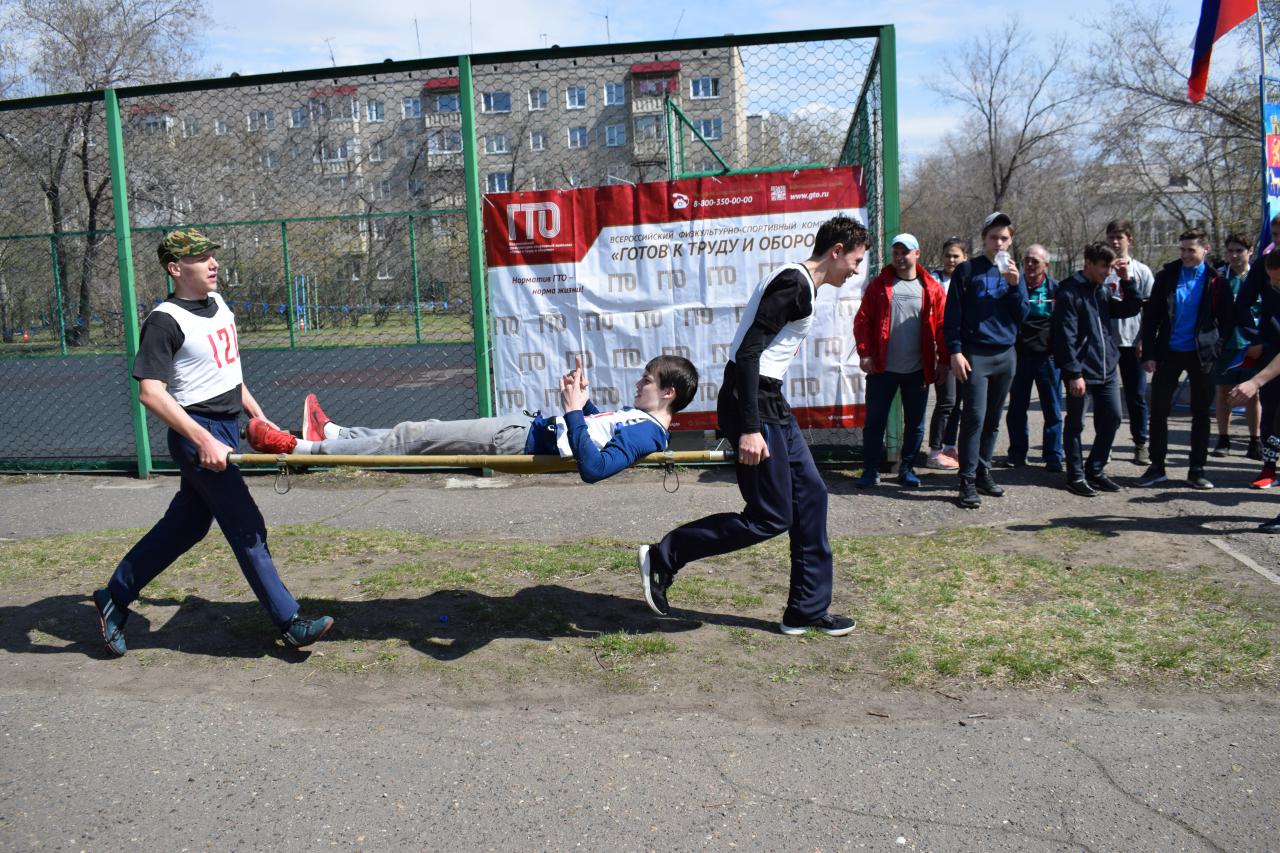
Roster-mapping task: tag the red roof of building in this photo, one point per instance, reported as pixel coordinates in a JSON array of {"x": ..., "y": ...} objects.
[
  {"x": 441, "y": 84},
  {"x": 655, "y": 67}
]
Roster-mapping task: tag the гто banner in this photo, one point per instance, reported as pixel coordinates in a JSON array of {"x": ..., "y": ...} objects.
[{"x": 616, "y": 275}]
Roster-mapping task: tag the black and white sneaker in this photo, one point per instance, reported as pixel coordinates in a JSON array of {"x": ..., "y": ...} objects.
[
  {"x": 656, "y": 583},
  {"x": 832, "y": 626},
  {"x": 1153, "y": 475}
]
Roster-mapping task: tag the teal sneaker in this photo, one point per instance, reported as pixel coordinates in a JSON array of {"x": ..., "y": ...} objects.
[
  {"x": 303, "y": 632},
  {"x": 112, "y": 620}
]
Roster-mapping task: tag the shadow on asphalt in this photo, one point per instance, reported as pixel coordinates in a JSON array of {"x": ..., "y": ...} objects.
[
  {"x": 445, "y": 625},
  {"x": 1111, "y": 525}
]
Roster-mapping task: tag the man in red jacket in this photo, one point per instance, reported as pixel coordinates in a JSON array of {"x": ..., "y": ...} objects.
[{"x": 901, "y": 348}]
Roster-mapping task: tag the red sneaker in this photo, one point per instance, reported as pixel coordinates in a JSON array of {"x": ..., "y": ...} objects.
[
  {"x": 313, "y": 419},
  {"x": 265, "y": 438},
  {"x": 1266, "y": 479}
]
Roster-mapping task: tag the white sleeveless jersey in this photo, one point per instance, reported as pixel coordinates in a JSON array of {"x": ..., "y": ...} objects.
[
  {"x": 208, "y": 363},
  {"x": 603, "y": 426},
  {"x": 780, "y": 352}
]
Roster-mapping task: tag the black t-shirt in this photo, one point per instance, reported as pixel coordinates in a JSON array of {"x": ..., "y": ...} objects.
[{"x": 160, "y": 341}]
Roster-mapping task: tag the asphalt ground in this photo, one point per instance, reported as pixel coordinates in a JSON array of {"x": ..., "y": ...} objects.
[{"x": 96, "y": 758}]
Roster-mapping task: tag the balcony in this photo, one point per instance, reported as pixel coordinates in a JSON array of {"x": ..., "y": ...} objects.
[
  {"x": 450, "y": 160},
  {"x": 648, "y": 151},
  {"x": 442, "y": 119},
  {"x": 641, "y": 104}
]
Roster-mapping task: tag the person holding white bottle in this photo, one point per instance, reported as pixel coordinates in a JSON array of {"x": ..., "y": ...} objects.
[{"x": 986, "y": 304}]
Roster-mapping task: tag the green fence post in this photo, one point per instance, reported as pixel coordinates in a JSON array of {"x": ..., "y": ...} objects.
[
  {"x": 124, "y": 261},
  {"x": 413, "y": 275},
  {"x": 889, "y": 132},
  {"x": 475, "y": 238},
  {"x": 671, "y": 151},
  {"x": 291, "y": 301},
  {"x": 57, "y": 294}
]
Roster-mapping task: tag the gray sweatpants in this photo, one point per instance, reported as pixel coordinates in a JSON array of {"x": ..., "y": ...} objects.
[
  {"x": 983, "y": 396},
  {"x": 501, "y": 436}
]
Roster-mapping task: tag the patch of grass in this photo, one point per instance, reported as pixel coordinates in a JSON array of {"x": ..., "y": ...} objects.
[
  {"x": 620, "y": 644},
  {"x": 1069, "y": 537}
]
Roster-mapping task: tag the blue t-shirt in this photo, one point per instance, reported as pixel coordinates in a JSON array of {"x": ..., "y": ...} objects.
[{"x": 1186, "y": 307}]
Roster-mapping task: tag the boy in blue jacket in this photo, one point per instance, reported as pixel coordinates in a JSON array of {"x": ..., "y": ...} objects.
[
  {"x": 1088, "y": 353},
  {"x": 986, "y": 304},
  {"x": 602, "y": 443}
]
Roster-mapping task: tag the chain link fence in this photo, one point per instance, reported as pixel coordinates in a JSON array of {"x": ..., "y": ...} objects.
[{"x": 347, "y": 202}]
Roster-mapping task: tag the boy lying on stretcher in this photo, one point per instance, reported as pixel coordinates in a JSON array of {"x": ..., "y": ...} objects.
[{"x": 602, "y": 443}]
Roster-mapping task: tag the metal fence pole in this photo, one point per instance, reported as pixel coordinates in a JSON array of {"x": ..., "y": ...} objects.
[
  {"x": 475, "y": 237},
  {"x": 57, "y": 294},
  {"x": 889, "y": 131},
  {"x": 413, "y": 275},
  {"x": 124, "y": 262},
  {"x": 291, "y": 301}
]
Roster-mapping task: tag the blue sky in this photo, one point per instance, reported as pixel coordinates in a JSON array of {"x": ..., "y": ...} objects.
[{"x": 253, "y": 37}]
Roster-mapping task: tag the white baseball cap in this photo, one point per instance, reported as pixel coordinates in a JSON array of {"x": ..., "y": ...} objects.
[{"x": 907, "y": 241}]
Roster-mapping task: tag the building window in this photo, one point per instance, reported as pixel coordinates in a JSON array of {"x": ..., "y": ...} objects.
[
  {"x": 353, "y": 266},
  {"x": 577, "y": 137},
  {"x": 334, "y": 152},
  {"x": 575, "y": 97},
  {"x": 496, "y": 143},
  {"x": 611, "y": 178},
  {"x": 270, "y": 160},
  {"x": 379, "y": 227},
  {"x": 375, "y": 110},
  {"x": 411, "y": 108},
  {"x": 153, "y": 124},
  {"x": 444, "y": 141},
  {"x": 499, "y": 182},
  {"x": 384, "y": 271},
  {"x": 417, "y": 186},
  {"x": 448, "y": 103},
  {"x": 614, "y": 94},
  {"x": 495, "y": 102},
  {"x": 537, "y": 99},
  {"x": 319, "y": 109},
  {"x": 298, "y": 117},
  {"x": 710, "y": 128},
  {"x": 537, "y": 140},
  {"x": 190, "y": 126},
  {"x": 615, "y": 135},
  {"x": 262, "y": 120},
  {"x": 219, "y": 127},
  {"x": 377, "y": 151},
  {"x": 382, "y": 190},
  {"x": 704, "y": 87},
  {"x": 646, "y": 127}
]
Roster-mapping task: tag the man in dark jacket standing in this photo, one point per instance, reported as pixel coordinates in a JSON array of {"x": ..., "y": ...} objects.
[
  {"x": 986, "y": 304},
  {"x": 1036, "y": 368},
  {"x": 1087, "y": 353},
  {"x": 1184, "y": 325},
  {"x": 1257, "y": 315}
]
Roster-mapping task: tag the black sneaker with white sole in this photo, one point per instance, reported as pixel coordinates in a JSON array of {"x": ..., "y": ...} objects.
[
  {"x": 832, "y": 626},
  {"x": 1153, "y": 475},
  {"x": 656, "y": 582}
]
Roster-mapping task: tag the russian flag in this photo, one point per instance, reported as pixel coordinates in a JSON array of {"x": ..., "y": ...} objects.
[{"x": 1217, "y": 18}]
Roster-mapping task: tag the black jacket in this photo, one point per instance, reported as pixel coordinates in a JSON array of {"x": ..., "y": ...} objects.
[
  {"x": 1084, "y": 343},
  {"x": 1214, "y": 322},
  {"x": 1266, "y": 329}
]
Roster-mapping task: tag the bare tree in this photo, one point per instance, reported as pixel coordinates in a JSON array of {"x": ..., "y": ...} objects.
[
  {"x": 79, "y": 45},
  {"x": 1020, "y": 110}
]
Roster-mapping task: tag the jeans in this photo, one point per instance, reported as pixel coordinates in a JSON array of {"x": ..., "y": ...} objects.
[
  {"x": 1134, "y": 379},
  {"x": 880, "y": 390},
  {"x": 1035, "y": 369},
  {"x": 945, "y": 423},
  {"x": 1164, "y": 385},
  {"x": 500, "y": 436},
  {"x": 783, "y": 494},
  {"x": 982, "y": 397},
  {"x": 1106, "y": 422},
  {"x": 203, "y": 496}
]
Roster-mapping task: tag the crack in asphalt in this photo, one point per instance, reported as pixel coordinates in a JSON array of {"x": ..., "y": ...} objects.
[{"x": 1174, "y": 819}]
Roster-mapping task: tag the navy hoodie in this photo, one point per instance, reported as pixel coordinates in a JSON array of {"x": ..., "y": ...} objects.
[
  {"x": 984, "y": 312},
  {"x": 1084, "y": 341}
]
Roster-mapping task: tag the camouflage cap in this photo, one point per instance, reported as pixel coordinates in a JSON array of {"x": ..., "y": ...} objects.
[{"x": 184, "y": 242}]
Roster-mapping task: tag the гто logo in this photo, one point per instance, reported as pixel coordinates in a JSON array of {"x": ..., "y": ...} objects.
[
  {"x": 679, "y": 201},
  {"x": 544, "y": 216}
]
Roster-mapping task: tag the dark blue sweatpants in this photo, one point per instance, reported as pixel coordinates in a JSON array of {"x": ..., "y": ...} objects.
[
  {"x": 784, "y": 494},
  {"x": 203, "y": 496}
]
